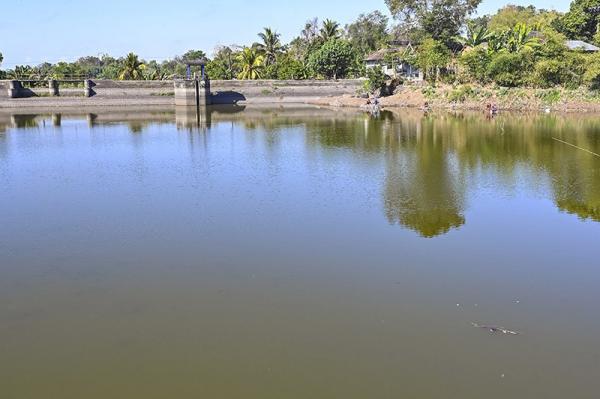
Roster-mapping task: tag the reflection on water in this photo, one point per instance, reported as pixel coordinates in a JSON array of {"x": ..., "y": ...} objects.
[
  {"x": 430, "y": 159},
  {"x": 298, "y": 252}
]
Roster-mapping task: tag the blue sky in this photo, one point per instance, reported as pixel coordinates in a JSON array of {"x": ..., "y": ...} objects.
[{"x": 56, "y": 30}]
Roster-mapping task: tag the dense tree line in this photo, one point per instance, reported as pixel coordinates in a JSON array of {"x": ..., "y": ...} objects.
[
  {"x": 321, "y": 50},
  {"x": 516, "y": 46}
]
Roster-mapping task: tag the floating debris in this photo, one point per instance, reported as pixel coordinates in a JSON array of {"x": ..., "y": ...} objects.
[{"x": 496, "y": 329}]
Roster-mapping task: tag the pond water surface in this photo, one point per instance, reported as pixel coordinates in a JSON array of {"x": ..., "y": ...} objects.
[{"x": 298, "y": 253}]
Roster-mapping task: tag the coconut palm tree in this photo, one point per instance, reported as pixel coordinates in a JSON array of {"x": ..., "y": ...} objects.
[
  {"x": 133, "y": 68},
  {"x": 251, "y": 63},
  {"x": 270, "y": 46},
  {"x": 330, "y": 30}
]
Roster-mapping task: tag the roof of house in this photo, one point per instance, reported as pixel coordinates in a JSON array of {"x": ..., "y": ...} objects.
[
  {"x": 379, "y": 55},
  {"x": 580, "y": 45}
]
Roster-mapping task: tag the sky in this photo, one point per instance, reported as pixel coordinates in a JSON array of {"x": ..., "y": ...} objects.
[{"x": 34, "y": 31}]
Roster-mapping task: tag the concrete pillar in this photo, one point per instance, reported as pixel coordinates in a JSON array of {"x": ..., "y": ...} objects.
[
  {"x": 14, "y": 89},
  {"x": 87, "y": 88},
  {"x": 204, "y": 92},
  {"x": 53, "y": 87},
  {"x": 185, "y": 92},
  {"x": 192, "y": 92}
]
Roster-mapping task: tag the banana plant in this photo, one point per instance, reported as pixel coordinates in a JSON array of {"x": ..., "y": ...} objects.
[
  {"x": 475, "y": 35},
  {"x": 520, "y": 37}
]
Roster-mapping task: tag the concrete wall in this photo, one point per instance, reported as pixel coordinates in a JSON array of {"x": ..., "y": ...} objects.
[
  {"x": 3, "y": 89},
  {"x": 163, "y": 92},
  {"x": 280, "y": 90}
]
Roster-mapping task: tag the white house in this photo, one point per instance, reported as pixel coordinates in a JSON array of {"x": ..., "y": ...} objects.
[{"x": 392, "y": 64}]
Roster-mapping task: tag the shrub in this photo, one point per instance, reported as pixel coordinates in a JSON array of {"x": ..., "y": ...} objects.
[
  {"x": 510, "y": 69},
  {"x": 476, "y": 61},
  {"x": 460, "y": 94},
  {"x": 429, "y": 91},
  {"x": 575, "y": 65},
  {"x": 591, "y": 76},
  {"x": 375, "y": 79},
  {"x": 549, "y": 73}
]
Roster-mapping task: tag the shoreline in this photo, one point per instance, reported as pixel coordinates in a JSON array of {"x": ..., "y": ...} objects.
[{"x": 459, "y": 98}]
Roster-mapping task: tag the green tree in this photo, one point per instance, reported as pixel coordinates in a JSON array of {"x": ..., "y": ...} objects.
[
  {"x": 511, "y": 69},
  {"x": 223, "y": 65},
  {"x": 375, "y": 79},
  {"x": 334, "y": 60},
  {"x": 476, "y": 61},
  {"x": 290, "y": 68},
  {"x": 330, "y": 30},
  {"x": 193, "y": 55},
  {"x": 592, "y": 73},
  {"x": 368, "y": 32},
  {"x": 431, "y": 57},
  {"x": 270, "y": 46},
  {"x": 251, "y": 64},
  {"x": 549, "y": 73},
  {"x": 510, "y": 16},
  {"x": 441, "y": 19},
  {"x": 132, "y": 69},
  {"x": 581, "y": 22},
  {"x": 21, "y": 72},
  {"x": 65, "y": 70},
  {"x": 1, "y": 58}
]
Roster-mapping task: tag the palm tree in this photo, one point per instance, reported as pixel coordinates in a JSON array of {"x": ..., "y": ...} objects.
[
  {"x": 476, "y": 35},
  {"x": 330, "y": 30},
  {"x": 270, "y": 46},
  {"x": 251, "y": 63},
  {"x": 133, "y": 68}
]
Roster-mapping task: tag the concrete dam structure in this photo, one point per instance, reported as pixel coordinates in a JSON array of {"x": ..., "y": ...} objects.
[{"x": 182, "y": 92}]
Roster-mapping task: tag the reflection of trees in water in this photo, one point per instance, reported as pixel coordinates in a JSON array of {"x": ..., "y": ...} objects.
[
  {"x": 428, "y": 157},
  {"x": 423, "y": 191},
  {"x": 512, "y": 142},
  {"x": 137, "y": 127}
]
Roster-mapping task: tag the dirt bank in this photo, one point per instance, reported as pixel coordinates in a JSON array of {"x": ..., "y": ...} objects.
[{"x": 467, "y": 97}]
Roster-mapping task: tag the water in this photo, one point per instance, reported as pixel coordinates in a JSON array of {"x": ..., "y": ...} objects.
[{"x": 298, "y": 253}]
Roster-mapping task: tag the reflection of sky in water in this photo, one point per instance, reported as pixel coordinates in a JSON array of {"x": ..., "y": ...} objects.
[{"x": 269, "y": 253}]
